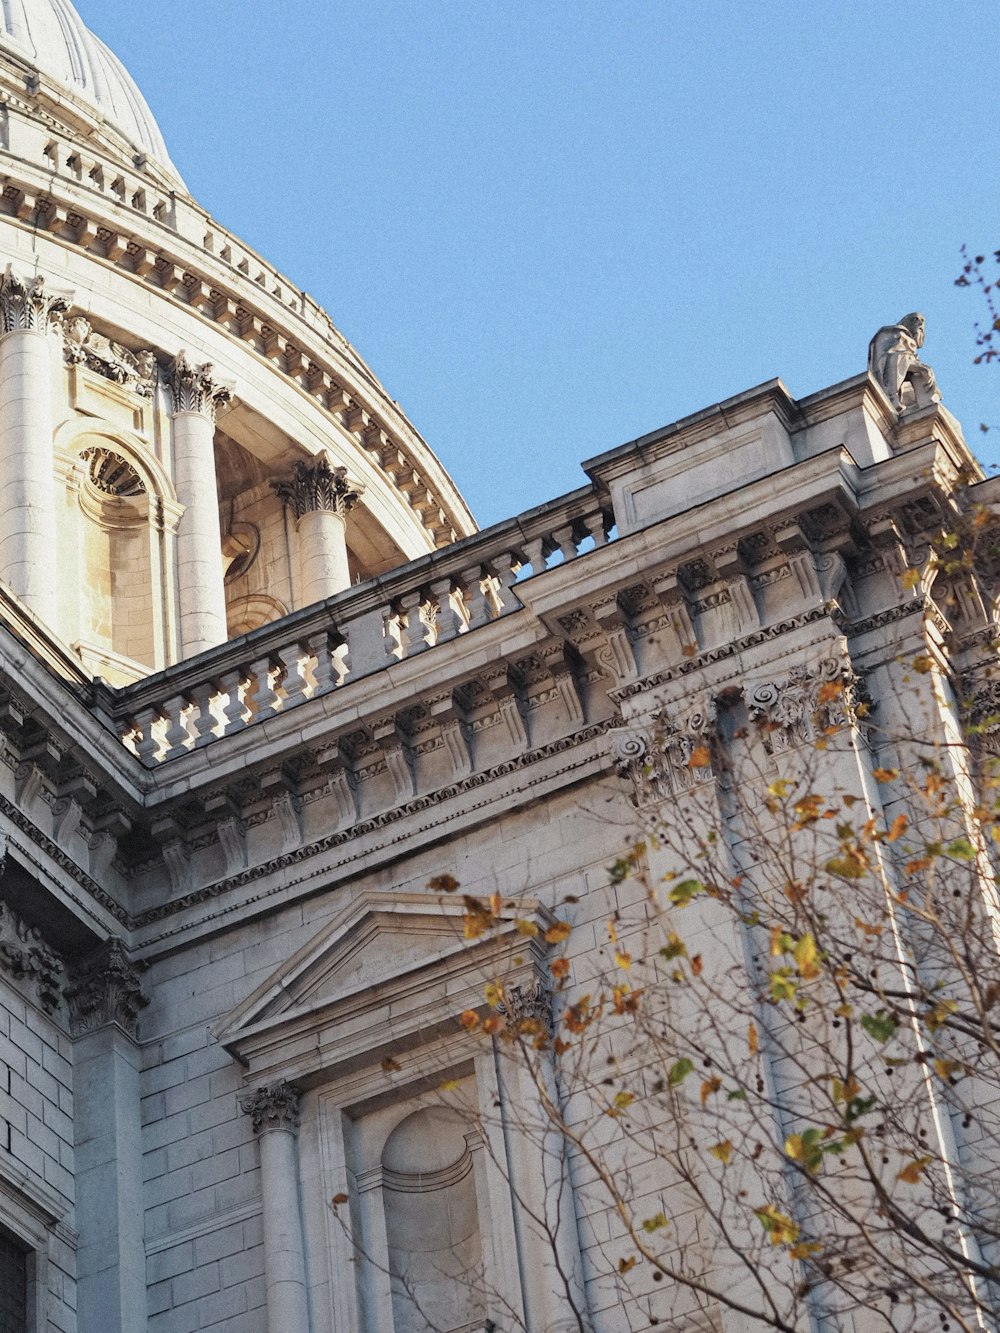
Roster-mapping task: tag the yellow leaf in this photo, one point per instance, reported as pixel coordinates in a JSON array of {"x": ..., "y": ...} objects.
[
  {"x": 779, "y": 788},
  {"x": 557, "y": 932},
  {"x": 912, "y": 1172},
  {"x": 494, "y": 993},
  {"x": 781, "y": 1230},
  {"x": 623, "y": 959},
  {"x": 449, "y": 1085},
  {"x": 723, "y": 1151},
  {"x": 805, "y": 1249},
  {"x": 886, "y": 774},
  {"x": 946, "y": 1068},
  {"x": 805, "y": 954},
  {"x": 752, "y": 1038},
  {"x": 911, "y": 578},
  {"x": 524, "y": 927},
  {"x": 612, "y": 932},
  {"x": 496, "y": 904}
]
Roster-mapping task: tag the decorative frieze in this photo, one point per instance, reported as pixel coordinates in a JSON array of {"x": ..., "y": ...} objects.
[
  {"x": 26, "y": 957},
  {"x": 277, "y": 1107},
  {"x": 27, "y": 305},
  {"x": 105, "y": 990},
  {"x": 317, "y": 486},
  {"x": 195, "y": 388},
  {"x": 82, "y": 346}
]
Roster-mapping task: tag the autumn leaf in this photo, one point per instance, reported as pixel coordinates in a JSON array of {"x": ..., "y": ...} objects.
[
  {"x": 781, "y": 1230},
  {"x": 697, "y": 965},
  {"x": 524, "y": 927},
  {"x": 709, "y": 1086},
  {"x": 469, "y": 1019},
  {"x": 338, "y": 1199},
  {"x": 626, "y": 1265},
  {"x": 700, "y": 757},
  {"x": 912, "y": 1171},
  {"x": 898, "y": 828},
  {"x": 910, "y": 579},
  {"x": 880, "y": 1026},
  {"x": 674, "y": 947},
  {"x": 492, "y": 1025},
  {"x": 559, "y": 967},
  {"x": 623, "y": 959},
  {"x": 805, "y": 1249},
  {"x": 805, "y": 954},
  {"x": 656, "y": 1223},
  {"x": 391, "y": 1065},
  {"x": 449, "y": 1085},
  {"x": 752, "y": 1040},
  {"x": 885, "y": 774},
  {"x": 681, "y": 894},
  {"x": 830, "y": 691},
  {"x": 443, "y": 884},
  {"x": 493, "y": 991},
  {"x": 723, "y": 1151},
  {"x": 557, "y": 932}
]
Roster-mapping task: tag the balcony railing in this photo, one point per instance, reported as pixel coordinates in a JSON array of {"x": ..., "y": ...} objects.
[{"x": 312, "y": 652}]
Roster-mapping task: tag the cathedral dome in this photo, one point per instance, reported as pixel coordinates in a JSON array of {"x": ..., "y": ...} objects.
[{"x": 53, "y": 42}]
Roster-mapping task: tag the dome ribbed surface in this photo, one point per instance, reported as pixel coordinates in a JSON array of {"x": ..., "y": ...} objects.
[{"x": 52, "y": 37}]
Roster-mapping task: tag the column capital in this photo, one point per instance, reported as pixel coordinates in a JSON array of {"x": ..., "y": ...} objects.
[
  {"x": 317, "y": 486},
  {"x": 527, "y": 1008},
  {"x": 27, "y": 304},
  {"x": 105, "y": 990},
  {"x": 274, "y": 1107},
  {"x": 195, "y": 388}
]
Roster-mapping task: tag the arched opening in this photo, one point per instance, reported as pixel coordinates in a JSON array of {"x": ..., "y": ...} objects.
[{"x": 432, "y": 1224}]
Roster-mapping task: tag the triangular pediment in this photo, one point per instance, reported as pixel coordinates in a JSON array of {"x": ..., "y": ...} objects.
[{"x": 381, "y": 941}]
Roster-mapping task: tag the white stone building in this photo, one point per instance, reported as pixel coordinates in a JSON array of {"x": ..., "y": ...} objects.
[{"x": 262, "y": 679}]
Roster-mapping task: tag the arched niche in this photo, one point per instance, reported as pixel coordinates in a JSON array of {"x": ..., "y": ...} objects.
[
  {"x": 432, "y": 1223},
  {"x": 114, "y": 551},
  {"x": 250, "y": 613}
]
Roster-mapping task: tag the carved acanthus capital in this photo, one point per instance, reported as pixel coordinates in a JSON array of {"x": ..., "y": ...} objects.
[
  {"x": 195, "y": 388},
  {"x": 26, "y": 956},
  {"x": 528, "y": 1004},
  {"x": 276, "y": 1107},
  {"x": 981, "y": 706},
  {"x": 672, "y": 754},
  {"x": 105, "y": 990},
  {"x": 811, "y": 701},
  {"x": 82, "y": 346},
  {"x": 28, "y": 305},
  {"x": 317, "y": 486}
]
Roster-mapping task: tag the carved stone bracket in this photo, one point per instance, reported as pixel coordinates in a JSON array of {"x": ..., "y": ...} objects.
[
  {"x": 275, "y": 1107},
  {"x": 195, "y": 388},
  {"x": 316, "y": 485},
  {"x": 27, "y": 305},
  {"x": 105, "y": 989},
  {"x": 25, "y": 956},
  {"x": 82, "y": 346}
]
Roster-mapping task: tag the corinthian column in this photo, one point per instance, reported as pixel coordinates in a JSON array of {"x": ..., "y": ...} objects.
[
  {"x": 320, "y": 497},
  {"x": 27, "y": 485},
  {"x": 275, "y": 1115},
  {"x": 201, "y": 592}
]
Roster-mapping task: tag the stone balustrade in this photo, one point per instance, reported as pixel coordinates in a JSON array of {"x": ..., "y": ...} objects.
[{"x": 391, "y": 618}]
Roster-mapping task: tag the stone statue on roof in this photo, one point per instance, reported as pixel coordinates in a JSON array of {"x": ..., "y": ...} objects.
[{"x": 894, "y": 363}]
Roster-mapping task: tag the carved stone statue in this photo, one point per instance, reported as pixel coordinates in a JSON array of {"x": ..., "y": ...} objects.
[
  {"x": 893, "y": 362},
  {"x": 86, "y": 347}
]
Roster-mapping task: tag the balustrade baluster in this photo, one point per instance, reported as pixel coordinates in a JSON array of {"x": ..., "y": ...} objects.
[
  {"x": 392, "y": 632},
  {"x": 564, "y": 539},
  {"x": 477, "y": 606},
  {"x": 236, "y": 712},
  {"x": 293, "y": 683},
  {"x": 449, "y": 622},
  {"x": 178, "y": 737},
  {"x": 148, "y": 744},
  {"x": 534, "y": 551},
  {"x": 415, "y": 627},
  {"x": 206, "y": 724},
  {"x": 263, "y": 696},
  {"x": 505, "y": 568}
]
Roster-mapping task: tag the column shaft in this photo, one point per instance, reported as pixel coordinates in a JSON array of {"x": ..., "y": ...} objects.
[
  {"x": 201, "y": 586},
  {"x": 287, "y": 1304},
  {"x": 323, "y": 567},
  {"x": 27, "y": 485}
]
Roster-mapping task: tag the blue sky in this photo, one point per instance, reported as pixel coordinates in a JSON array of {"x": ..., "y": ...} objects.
[{"x": 553, "y": 225}]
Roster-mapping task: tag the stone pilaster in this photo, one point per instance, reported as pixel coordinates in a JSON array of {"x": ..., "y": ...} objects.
[
  {"x": 196, "y": 397},
  {"x": 27, "y": 486},
  {"x": 275, "y": 1113},
  {"x": 319, "y": 497},
  {"x": 105, "y": 998}
]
